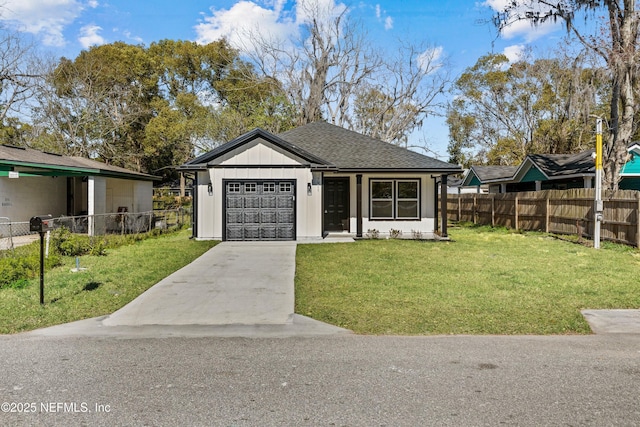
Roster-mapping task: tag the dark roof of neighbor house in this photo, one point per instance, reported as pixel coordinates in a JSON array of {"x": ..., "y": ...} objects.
[
  {"x": 349, "y": 150},
  {"x": 39, "y": 160},
  {"x": 493, "y": 173},
  {"x": 326, "y": 146},
  {"x": 560, "y": 165}
]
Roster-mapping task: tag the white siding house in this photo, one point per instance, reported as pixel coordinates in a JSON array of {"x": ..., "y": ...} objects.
[
  {"x": 36, "y": 183},
  {"x": 312, "y": 181}
]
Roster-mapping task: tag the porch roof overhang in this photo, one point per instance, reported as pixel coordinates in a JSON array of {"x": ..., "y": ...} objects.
[
  {"x": 32, "y": 169},
  {"x": 29, "y": 162}
]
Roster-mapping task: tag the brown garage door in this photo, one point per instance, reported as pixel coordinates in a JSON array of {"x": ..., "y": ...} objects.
[{"x": 259, "y": 210}]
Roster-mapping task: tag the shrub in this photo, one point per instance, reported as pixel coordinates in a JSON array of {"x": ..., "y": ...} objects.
[
  {"x": 65, "y": 243},
  {"x": 372, "y": 234},
  {"x": 395, "y": 234},
  {"x": 14, "y": 271}
]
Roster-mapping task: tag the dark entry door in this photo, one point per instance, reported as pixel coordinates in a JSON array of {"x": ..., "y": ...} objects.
[{"x": 336, "y": 204}]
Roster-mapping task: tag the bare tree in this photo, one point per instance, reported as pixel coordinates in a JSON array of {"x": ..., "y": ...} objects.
[
  {"x": 617, "y": 45},
  {"x": 17, "y": 76},
  {"x": 330, "y": 70},
  {"x": 406, "y": 91}
]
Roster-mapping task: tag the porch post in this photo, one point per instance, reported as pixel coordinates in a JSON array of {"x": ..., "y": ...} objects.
[
  {"x": 443, "y": 205},
  {"x": 91, "y": 205},
  {"x": 359, "y": 205}
]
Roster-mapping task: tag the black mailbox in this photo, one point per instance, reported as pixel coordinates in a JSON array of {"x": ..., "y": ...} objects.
[{"x": 41, "y": 223}]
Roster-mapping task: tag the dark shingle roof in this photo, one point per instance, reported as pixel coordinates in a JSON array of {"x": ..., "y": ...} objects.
[
  {"x": 27, "y": 157},
  {"x": 493, "y": 173},
  {"x": 331, "y": 147},
  {"x": 555, "y": 165},
  {"x": 202, "y": 160},
  {"x": 349, "y": 150}
]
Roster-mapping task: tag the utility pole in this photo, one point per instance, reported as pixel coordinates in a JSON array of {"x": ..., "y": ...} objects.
[{"x": 598, "y": 207}]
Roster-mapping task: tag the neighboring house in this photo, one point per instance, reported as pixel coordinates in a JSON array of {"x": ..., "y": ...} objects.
[
  {"x": 630, "y": 173},
  {"x": 311, "y": 181},
  {"x": 454, "y": 186},
  {"x": 488, "y": 178},
  {"x": 536, "y": 172},
  {"x": 34, "y": 183}
]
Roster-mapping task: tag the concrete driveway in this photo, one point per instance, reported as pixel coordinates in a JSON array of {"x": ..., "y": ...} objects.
[
  {"x": 244, "y": 283},
  {"x": 243, "y": 289}
]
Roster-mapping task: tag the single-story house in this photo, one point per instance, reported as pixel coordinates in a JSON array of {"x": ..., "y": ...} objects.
[
  {"x": 314, "y": 180},
  {"x": 537, "y": 172},
  {"x": 34, "y": 183},
  {"x": 487, "y": 178},
  {"x": 630, "y": 173}
]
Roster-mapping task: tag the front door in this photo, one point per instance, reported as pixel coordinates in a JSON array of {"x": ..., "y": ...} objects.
[{"x": 336, "y": 204}]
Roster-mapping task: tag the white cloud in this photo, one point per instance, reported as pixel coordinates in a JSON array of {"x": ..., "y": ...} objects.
[
  {"x": 44, "y": 18},
  {"x": 388, "y": 23},
  {"x": 524, "y": 28},
  {"x": 429, "y": 60},
  {"x": 514, "y": 53},
  {"x": 381, "y": 16},
  {"x": 130, "y": 36},
  {"x": 242, "y": 18},
  {"x": 89, "y": 36},
  {"x": 268, "y": 18}
]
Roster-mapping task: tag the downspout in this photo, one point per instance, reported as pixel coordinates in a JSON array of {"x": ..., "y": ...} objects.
[
  {"x": 435, "y": 202},
  {"x": 443, "y": 201},
  {"x": 194, "y": 210},
  {"x": 359, "y": 205}
]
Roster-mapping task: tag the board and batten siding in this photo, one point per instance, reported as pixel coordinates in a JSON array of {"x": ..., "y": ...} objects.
[
  {"x": 278, "y": 164},
  {"x": 258, "y": 152},
  {"x": 210, "y": 207}
]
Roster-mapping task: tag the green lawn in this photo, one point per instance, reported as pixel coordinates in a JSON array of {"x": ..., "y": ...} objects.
[
  {"x": 108, "y": 283},
  {"x": 484, "y": 281}
]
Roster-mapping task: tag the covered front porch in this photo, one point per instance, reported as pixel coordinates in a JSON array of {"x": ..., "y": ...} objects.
[{"x": 375, "y": 204}]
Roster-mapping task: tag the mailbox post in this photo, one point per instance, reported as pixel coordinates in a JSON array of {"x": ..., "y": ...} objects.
[{"x": 41, "y": 224}]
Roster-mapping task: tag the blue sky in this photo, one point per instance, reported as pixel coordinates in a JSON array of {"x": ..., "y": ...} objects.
[{"x": 460, "y": 29}]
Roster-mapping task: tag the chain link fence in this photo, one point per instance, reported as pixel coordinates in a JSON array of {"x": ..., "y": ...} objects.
[{"x": 14, "y": 234}]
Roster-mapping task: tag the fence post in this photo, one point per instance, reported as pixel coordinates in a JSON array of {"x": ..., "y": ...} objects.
[
  {"x": 475, "y": 210},
  {"x": 493, "y": 210},
  {"x": 459, "y": 207},
  {"x": 516, "y": 211},
  {"x": 546, "y": 214},
  {"x": 638, "y": 220}
]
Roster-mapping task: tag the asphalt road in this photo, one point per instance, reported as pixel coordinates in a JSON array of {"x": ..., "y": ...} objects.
[{"x": 325, "y": 381}]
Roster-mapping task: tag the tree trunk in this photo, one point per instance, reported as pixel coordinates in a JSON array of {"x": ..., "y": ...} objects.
[{"x": 624, "y": 31}]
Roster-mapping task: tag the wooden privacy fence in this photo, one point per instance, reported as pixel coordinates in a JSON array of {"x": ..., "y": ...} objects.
[{"x": 553, "y": 211}]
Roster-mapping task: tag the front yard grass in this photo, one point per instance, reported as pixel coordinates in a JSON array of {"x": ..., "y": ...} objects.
[
  {"x": 484, "y": 281},
  {"x": 108, "y": 283}
]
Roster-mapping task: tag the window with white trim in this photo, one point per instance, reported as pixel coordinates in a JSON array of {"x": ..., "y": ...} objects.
[{"x": 394, "y": 198}]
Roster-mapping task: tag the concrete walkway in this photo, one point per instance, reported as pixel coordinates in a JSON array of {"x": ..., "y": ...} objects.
[
  {"x": 234, "y": 289},
  {"x": 613, "y": 321}
]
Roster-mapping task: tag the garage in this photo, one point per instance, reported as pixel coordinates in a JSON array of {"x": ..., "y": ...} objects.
[{"x": 259, "y": 210}]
